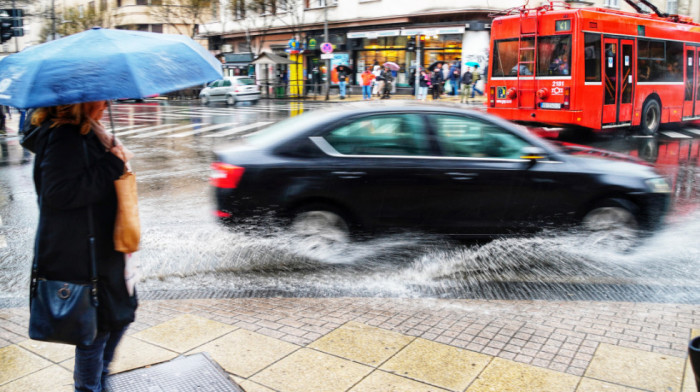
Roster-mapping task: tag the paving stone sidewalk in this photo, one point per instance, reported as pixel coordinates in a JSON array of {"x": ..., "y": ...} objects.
[{"x": 388, "y": 344}]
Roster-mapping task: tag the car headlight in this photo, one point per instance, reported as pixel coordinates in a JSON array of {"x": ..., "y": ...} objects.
[{"x": 658, "y": 185}]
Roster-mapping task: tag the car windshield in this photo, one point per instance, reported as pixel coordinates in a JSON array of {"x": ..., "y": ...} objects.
[{"x": 245, "y": 81}]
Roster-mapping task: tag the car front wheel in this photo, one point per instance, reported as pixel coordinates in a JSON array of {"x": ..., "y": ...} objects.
[
  {"x": 204, "y": 99},
  {"x": 230, "y": 100}
]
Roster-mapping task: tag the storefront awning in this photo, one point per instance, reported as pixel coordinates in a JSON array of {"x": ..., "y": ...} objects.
[
  {"x": 408, "y": 31},
  {"x": 271, "y": 59}
]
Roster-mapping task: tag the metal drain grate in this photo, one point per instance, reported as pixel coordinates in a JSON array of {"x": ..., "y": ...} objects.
[{"x": 194, "y": 373}]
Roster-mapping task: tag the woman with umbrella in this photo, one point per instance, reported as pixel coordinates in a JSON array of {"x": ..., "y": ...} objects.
[
  {"x": 77, "y": 163},
  {"x": 75, "y": 168}
]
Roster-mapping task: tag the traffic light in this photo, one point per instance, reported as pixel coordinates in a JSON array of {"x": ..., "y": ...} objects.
[
  {"x": 5, "y": 26},
  {"x": 422, "y": 41},
  {"x": 411, "y": 44}
]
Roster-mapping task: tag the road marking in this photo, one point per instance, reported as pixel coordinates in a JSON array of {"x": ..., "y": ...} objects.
[
  {"x": 202, "y": 130},
  {"x": 693, "y": 131},
  {"x": 143, "y": 129},
  {"x": 675, "y": 135},
  {"x": 239, "y": 129},
  {"x": 162, "y": 131}
]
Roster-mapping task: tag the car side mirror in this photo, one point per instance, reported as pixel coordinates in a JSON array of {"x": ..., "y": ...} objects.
[{"x": 533, "y": 154}]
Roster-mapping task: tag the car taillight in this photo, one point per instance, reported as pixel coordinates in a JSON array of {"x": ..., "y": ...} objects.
[
  {"x": 492, "y": 96},
  {"x": 567, "y": 98},
  {"x": 225, "y": 175}
]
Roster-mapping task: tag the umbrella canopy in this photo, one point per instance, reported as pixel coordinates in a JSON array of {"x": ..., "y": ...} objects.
[
  {"x": 471, "y": 64},
  {"x": 392, "y": 65},
  {"x": 103, "y": 64},
  {"x": 433, "y": 65},
  {"x": 344, "y": 68}
]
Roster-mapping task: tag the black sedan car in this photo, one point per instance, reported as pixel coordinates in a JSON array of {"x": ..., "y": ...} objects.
[{"x": 384, "y": 167}]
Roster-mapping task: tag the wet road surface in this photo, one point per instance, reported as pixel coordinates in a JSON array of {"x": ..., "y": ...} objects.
[{"x": 186, "y": 254}]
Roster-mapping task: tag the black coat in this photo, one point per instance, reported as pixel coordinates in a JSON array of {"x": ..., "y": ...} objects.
[{"x": 65, "y": 188}]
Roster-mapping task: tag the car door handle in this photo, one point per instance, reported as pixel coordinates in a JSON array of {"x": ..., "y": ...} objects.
[
  {"x": 349, "y": 174},
  {"x": 461, "y": 176}
]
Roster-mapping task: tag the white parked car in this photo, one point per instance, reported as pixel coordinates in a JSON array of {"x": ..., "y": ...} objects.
[{"x": 231, "y": 90}]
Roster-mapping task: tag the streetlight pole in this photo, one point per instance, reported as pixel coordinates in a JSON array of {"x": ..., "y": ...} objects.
[
  {"x": 419, "y": 63},
  {"x": 326, "y": 39}
]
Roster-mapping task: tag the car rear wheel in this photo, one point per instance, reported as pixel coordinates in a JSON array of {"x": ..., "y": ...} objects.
[
  {"x": 230, "y": 100},
  {"x": 320, "y": 226},
  {"x": 612, "y": 223}
]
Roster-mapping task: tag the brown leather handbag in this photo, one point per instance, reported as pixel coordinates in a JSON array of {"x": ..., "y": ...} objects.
[{"x": 127, "y": 227}]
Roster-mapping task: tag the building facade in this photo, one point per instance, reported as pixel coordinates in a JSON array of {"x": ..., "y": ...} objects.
[{"x": 410, "y": 33}]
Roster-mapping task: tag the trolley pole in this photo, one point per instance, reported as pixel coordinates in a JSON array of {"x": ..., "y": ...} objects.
[{"x": 328, "y": 61}]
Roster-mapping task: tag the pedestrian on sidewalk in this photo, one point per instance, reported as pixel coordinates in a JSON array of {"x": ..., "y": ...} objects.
[
  {"x": 75, "y": 168},
  {"x": 475, "y": 79},
  {"x": 388, "y": 83},
  {"x": 423, "y": 85},
  {"x": 454, "y": 78},
  {"x": 378, "y": 80},
  {"x": 342, "y": 81},
  {"x": 436, "y": 82},
  {"x": 367, "y": 78},
  {"x": 466, "y": 86}
]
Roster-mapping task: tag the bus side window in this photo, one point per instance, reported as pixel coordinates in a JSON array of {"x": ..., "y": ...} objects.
[{"x": 592, "y": 57}]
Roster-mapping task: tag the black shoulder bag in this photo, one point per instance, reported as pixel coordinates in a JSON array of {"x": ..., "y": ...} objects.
[{"x": 65, "y": 312}]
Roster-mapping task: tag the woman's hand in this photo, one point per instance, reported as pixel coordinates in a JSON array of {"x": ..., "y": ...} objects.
[{"x": 121, "y": 152}]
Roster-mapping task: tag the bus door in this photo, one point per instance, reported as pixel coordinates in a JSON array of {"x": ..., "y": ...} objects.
[
  {"x": 619, "y": 80},
  {"x": 690, "y": 106}
]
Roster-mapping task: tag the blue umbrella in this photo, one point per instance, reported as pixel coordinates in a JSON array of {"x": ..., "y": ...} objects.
[{"x": 103, "y": 64}]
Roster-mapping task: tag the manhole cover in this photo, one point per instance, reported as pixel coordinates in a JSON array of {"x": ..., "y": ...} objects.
[{"x": 193, "y": 373}]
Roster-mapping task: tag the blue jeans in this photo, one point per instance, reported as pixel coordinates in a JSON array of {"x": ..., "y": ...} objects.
[
  {"x": 341, "y": 87},
  {"x": 92, "y": 362},
  {"x": 476, "y": 90},
  {"x": 422, "y": 93},
  {"x": 367, "y": 92}
]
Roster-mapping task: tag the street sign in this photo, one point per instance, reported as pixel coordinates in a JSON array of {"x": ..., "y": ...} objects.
[
  {"x": 326, "y": 56},
  {"x": 327, "y": 47}
]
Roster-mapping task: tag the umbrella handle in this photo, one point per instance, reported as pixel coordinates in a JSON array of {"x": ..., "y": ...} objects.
[{"x": 111, "y": 123}]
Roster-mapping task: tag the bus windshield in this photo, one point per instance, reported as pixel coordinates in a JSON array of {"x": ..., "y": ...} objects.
[{"x": 553, "y": 56}]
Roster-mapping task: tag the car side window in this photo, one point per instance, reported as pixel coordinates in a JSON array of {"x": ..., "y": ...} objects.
[
  {"x": 460, "y": 136},
  {"x": 214, "y": 83},
  {"x": 392, "y": 134},
  {"x": 227, "y": 83}
]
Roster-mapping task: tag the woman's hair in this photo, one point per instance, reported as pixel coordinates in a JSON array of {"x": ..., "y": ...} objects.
[{"x": 74, "y": 114}]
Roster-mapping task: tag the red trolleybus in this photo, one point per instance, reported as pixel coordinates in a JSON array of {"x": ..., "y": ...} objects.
[{"x": 594, "y": 68}]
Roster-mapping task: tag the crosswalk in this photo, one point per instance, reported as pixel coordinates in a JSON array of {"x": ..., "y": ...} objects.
[
  {"x": 140, "y": 131},
  {"x": 137, "y": 122}
]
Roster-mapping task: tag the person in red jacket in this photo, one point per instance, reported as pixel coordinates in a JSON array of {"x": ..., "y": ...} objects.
[{"x": 367, "y": 78}]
